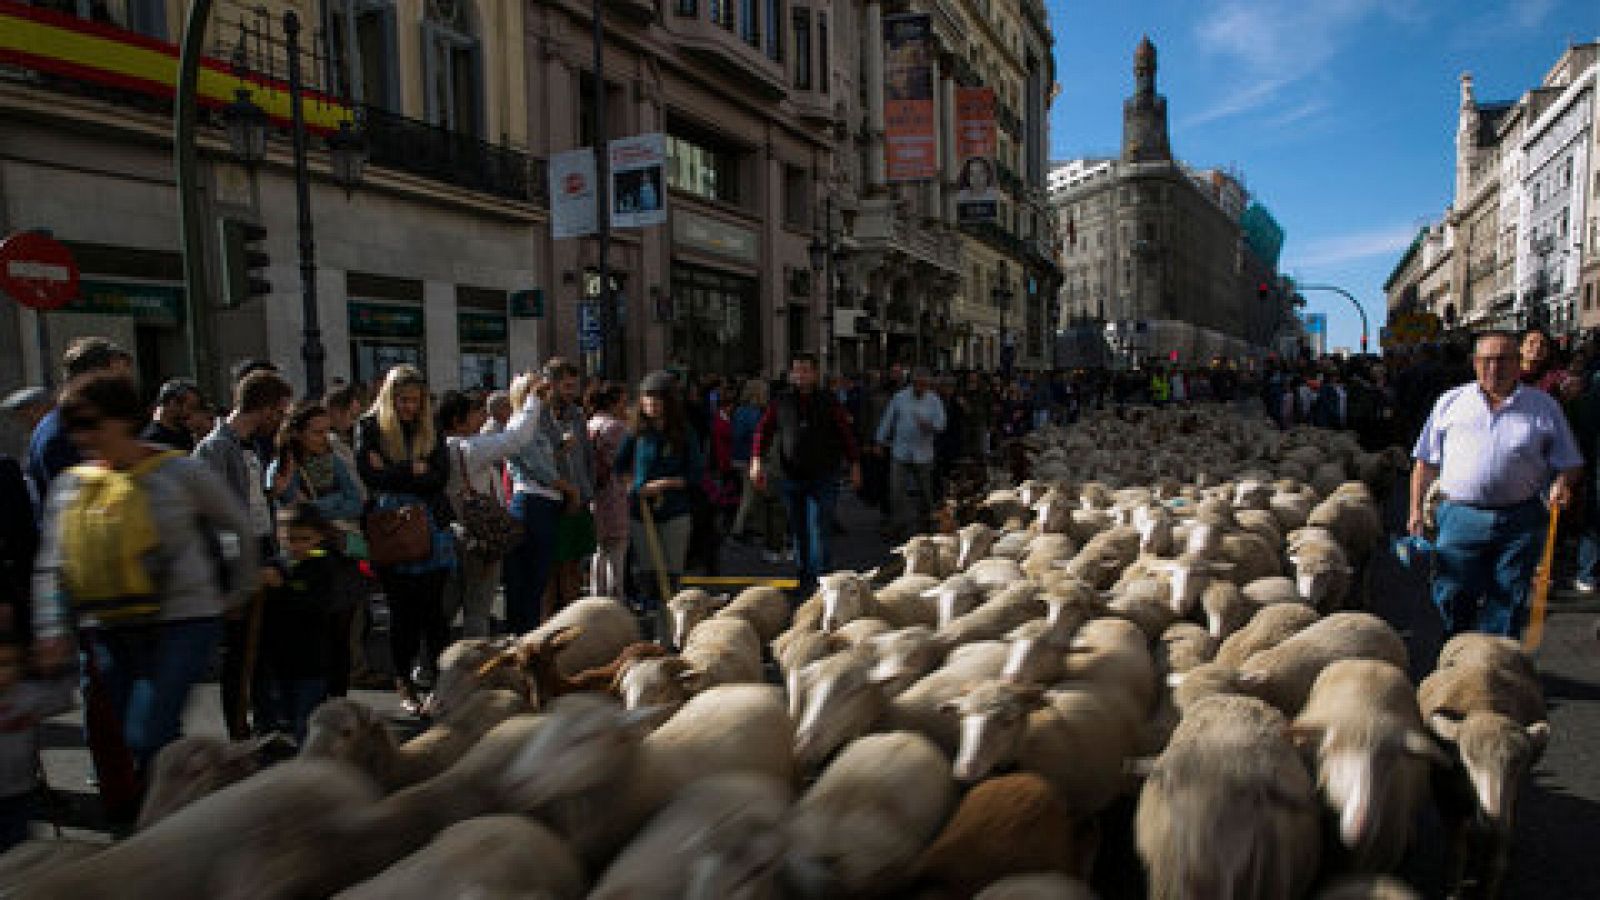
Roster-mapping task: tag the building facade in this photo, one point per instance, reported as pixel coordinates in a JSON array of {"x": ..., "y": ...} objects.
[{"x": 1154, "y": 253}]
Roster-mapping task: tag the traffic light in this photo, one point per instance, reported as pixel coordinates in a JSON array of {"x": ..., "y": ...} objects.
[
  {"x": 242, "y": 262},
  {"x": 1263, "y": 292}
]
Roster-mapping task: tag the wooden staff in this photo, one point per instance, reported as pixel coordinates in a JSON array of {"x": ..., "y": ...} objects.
[{"x": 1534, "y": 636}]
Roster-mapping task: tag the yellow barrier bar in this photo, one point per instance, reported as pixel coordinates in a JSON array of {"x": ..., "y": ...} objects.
[{"x": 737, "y": 580}]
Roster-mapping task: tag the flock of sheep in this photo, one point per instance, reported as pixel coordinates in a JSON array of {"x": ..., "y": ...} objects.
[{"x": 1165, "y": 614}]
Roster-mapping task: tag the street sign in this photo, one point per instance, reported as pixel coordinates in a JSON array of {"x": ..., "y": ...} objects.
[
  {"x": 38, "y": 271},
  {"x": 590, "y": 336}
]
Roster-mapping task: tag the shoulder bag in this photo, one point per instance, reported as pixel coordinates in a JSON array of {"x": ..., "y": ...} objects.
[{"x": 490, "y": 529}]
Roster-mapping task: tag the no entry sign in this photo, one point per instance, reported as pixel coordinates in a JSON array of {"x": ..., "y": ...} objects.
[{"x": 38, "y": 271}]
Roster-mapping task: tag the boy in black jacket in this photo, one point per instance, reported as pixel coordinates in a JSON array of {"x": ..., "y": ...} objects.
[{"x": 302, "y": 590}]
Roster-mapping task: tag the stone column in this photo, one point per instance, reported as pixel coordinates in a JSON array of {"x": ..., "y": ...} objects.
[
  {"x": 333, "y": 310},
  {"x": 947, "y": 144},
  {"x": 873, "y": 45},
  {"x": 441, "y": 335}
]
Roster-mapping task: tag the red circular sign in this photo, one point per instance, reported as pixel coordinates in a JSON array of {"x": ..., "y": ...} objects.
[{"x": 38, "y": 271}]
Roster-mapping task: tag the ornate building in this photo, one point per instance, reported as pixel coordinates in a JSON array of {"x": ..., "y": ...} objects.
[{"x": 1156, "y": 260}]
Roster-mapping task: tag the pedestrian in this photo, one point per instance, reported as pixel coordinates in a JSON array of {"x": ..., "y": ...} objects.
[
  {"x": 566, "y": 427},
  {"x": 402, "y": 457},
  {"x": 260, "y": 403},
  {"x": 661, "y": 461},
  {"x": 20, "y": 413},
  {"x": 129, "y": 559},
  {"x": 498, "y": 405},
  {"x": 1494, "y": 446},
  {"x": 607, "y": 405},
  {"x": 813, "y": 437},
  {"x": 539, "y": 495},
  {"x": 307, "y": 468},
  {"x": 169, "y": 422},
  {"x": 476, "y": 458},
  {"x": 50, "y": 449},
  {"x": 301, "y": 597},
  {"x": 913, "y": 421}
]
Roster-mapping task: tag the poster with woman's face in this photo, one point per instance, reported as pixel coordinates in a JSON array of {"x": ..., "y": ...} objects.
[{"x": 977, "y": 193}]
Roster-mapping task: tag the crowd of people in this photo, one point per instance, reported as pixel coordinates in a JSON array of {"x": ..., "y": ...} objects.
[{"x": 144, "y": 542}]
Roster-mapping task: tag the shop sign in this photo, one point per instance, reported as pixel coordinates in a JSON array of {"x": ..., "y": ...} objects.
[
  {"x": 479, "y": 327},
  {"x": 377, "y": 320},
  {"x": 159, "y": 304},
  {"x": 698, "y": 232},
  {"x": 591, "y": 337}
]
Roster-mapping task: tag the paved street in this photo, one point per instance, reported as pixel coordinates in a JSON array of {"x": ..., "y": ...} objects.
[{"x": 1560, "y": 806}]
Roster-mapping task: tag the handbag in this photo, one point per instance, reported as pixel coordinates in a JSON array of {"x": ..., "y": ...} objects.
[
  {"x": 489, "y": 529},
  {"x": 399, "y": 535}
]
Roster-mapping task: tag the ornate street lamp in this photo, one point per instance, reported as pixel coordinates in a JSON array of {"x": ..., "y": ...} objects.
[
  {"x": 347, "y": 151},
  {"x": 247, "y": 128}
]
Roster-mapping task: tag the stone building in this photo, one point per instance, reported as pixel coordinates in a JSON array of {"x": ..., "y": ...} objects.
[{"x": 1154, "y": 254}]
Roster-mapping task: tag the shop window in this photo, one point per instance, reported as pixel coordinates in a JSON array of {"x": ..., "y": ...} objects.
[
  {"x": 362, "y": 63},
  {"x": 749, "y": 23},
  {"x": 452, "y": 69},
  {"x": 701, "y": 168},
  {"x": 483, "y": 334},
  {"x": 802, "y": 49}
]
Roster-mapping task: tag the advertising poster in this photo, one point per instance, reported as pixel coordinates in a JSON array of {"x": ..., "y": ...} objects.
[
  {"x": 910, "y": 142},
  {"x": 572, "y": 200},
  {"x": 977, "y": 142},
  {"x": 639, "y": 181}
]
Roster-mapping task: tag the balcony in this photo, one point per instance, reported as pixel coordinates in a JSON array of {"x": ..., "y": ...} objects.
[
  {"x": 721, "y": 50},
  {"x": 439, "y": 154},
  {"x": 639, "y": 12}
]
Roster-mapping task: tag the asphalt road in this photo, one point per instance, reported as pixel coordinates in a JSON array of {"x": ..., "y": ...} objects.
[{"x": 1560, "y": 805}]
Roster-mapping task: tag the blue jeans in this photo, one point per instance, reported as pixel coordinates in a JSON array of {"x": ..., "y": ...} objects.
[
  {"x": 148, "y": 671},
  {"x": 1485, "y": 564},
  {"x": 527, "y": 565},
  {"x": 810, "y": 505},
  {"x": 289, "y": 702}
]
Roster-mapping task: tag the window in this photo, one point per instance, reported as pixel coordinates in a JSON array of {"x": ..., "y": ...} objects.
[
  {"x": 614, "y": 110},
  {"x": 749, "y": 23},
  {"x": 687, "y": 8},
  {"x": 796, "y": 197},
  {"x": 774, "y": 19},
  {"x": 824, "y": 72},
  {"x": 722, "y": 13},
  {"x": 452, "y": 70},
  {"x": 802, "y": 49},
  {"x": 700, "y": 168},
  {"x": 362, "y": 62}
]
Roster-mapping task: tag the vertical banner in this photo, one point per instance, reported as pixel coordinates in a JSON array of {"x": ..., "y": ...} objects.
[
  {"x": 572, "y": 200},
  {"x": 910, "y": 145},
  {"x": 977, "y": 195},
  {"x": 638, "y": 181}
]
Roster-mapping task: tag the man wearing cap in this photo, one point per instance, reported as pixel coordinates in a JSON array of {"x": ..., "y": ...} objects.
[
  {"x": 51, "y": 450},
  {"x": 20, "y": 413},
  {"x": 1495, "y": 446},
  {"x": 915, "y": 417},
  {"x": 169, "y": 424}
]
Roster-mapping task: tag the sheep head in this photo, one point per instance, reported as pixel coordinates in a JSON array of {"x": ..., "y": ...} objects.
[
  {"x": 1497, "y": 753},
  {"x": 903, "y": 656},
  {"x": 689, "y": 608},
  {"x": 840, "y": 703},
  {"x": 845, "y": 598},
  {"x": 353, "y": 732},
  {"x": 664, "y": 682},
  {"x": 994, "y": 717}
]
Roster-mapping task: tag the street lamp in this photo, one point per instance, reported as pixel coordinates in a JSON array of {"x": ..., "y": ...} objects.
[
  {"x": 347, "y": 153},
  {"x": 247, "y": 128},
  {"x": 825, "y": 252}
]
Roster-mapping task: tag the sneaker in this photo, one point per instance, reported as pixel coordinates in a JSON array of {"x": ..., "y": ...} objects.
[
  {"x": 771, "y": 558},
  {"x": 788, "y": 556},
  {"x": 1583, "y": 585}
]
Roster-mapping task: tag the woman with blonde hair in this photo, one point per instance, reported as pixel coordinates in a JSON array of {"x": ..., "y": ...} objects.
[
  {"x": 403, "y": 460},
  {"x": 539, "y": 496}
]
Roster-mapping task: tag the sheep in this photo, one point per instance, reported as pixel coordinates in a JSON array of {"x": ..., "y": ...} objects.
[
  {"x": 720, "y": 837},
  {"x": 1491, "y": 714},
  {"x": 861, "y": 631},
  {"x": 1038, "y": 648},
  {"x": 192, "y": 767},
  {"x": 1261, "y": 523},
  {"x": 1004, "y": 826},
  {"x": 663, "y": 683},
  {"x": 496, "y": 856},
  {"x": 765, "y": 608},
  {"x": 471, "y": 665},
  {"x": 1322, "y": 572},
  {"x": 1363, "y": 726},
  {"x": 846, "y": 597},
  {"x": 1102, "y": 558},
  {"x": 860, "y": 828},
  {"x": 1273, "y": 589},
  {"x": 834, "y": 701},
  {"x": 1353, "y": 518},
  {"x": 589, "y": 774},
  {"x": 1248, "y": 557},
  {"x": 1114, "y": 654},
  {"x": 918, "y": 707},
  {"x": 923, "y": 556},
  {"x": 1046, "y": 553},
  {"x": 955, "y": 596},
  {"x": 34, "y": 858},
  {"x": 352, "y": 732},
  {"x": 1228, "y": 809},
  {"x": 1327, "y": 477},
  {"x": 972, "y": 544},
  {"x": 604, "y": 628},
  {"x": 724, "y": 651},
  {"x": 1077, "y": 739},
  {"x": 1039, "y": 886},
  {"x": 1146, "y": 603},
  {"x": 1183, "y": 646},
  {"x": 1006, "y": 610},
  {"x": 689, "y": 608},
  {"x": 995, "y": 573},
  {"x": 1268, "y": 627},
  {"x": 1283, "y": 675},
  {"x": 1489, "y": 650},
  {"x": 903, "y": 656},
  {"x": 1291, "y": 509},
  {"x": 1228, "y": 608},
  {"x": 1190, "y": 574},
  {"x": 794, "y": 650}
]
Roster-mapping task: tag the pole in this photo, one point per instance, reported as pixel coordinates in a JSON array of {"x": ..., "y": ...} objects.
[
  {"x": 827, "y": 268},
  {"x": 609, "y": 356},
  {"x": 311, "y": 349},
  {"x": 1348, "y": 296},
  {"x": 191, "y": 226}
]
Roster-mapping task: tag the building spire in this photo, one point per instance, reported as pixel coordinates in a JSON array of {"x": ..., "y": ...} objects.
[{"x": 1144, "y": 115}]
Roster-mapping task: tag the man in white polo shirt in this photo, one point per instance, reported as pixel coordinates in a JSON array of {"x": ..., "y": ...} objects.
[{"x": 1500, "y": 451}]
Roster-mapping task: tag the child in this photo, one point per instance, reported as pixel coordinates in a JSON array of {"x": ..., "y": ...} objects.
[{"x": 301, "y": 593}]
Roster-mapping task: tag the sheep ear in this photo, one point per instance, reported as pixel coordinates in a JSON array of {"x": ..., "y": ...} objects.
[
  {"x": 1423, "y": 746},
  {"x": 1448, "y": 728},
  {"x": 1539, "y": 736},
  {"x": 694, "y": 680},
  {"x": 1140, "y": 767}
]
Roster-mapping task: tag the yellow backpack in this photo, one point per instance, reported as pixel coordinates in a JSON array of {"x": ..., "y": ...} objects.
[{"x": 107, "y": 534}]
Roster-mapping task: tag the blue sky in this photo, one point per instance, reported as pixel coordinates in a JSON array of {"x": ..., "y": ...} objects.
[{"x": 1340, "y": 114}]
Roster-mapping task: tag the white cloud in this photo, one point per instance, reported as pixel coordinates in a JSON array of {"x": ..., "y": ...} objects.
[
  {"x": 1530, "y": 14},
  {"x": 1354, "y": 246}
]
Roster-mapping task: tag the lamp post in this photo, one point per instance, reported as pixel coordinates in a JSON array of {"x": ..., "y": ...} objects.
[
  {"x": 247, "y": 134},
  {"x": 1001, "y": 293}
]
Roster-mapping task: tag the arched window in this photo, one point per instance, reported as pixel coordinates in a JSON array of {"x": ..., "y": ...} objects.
[{"x": 452, "y": 67}]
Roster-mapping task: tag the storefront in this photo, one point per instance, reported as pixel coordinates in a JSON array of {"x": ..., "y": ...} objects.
[
  {"x": 384, "y": 335},
  {"x": 716, "y": 309},
  {"x": 145, "y": 317},
  {"x": 482, "y": 331}
]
